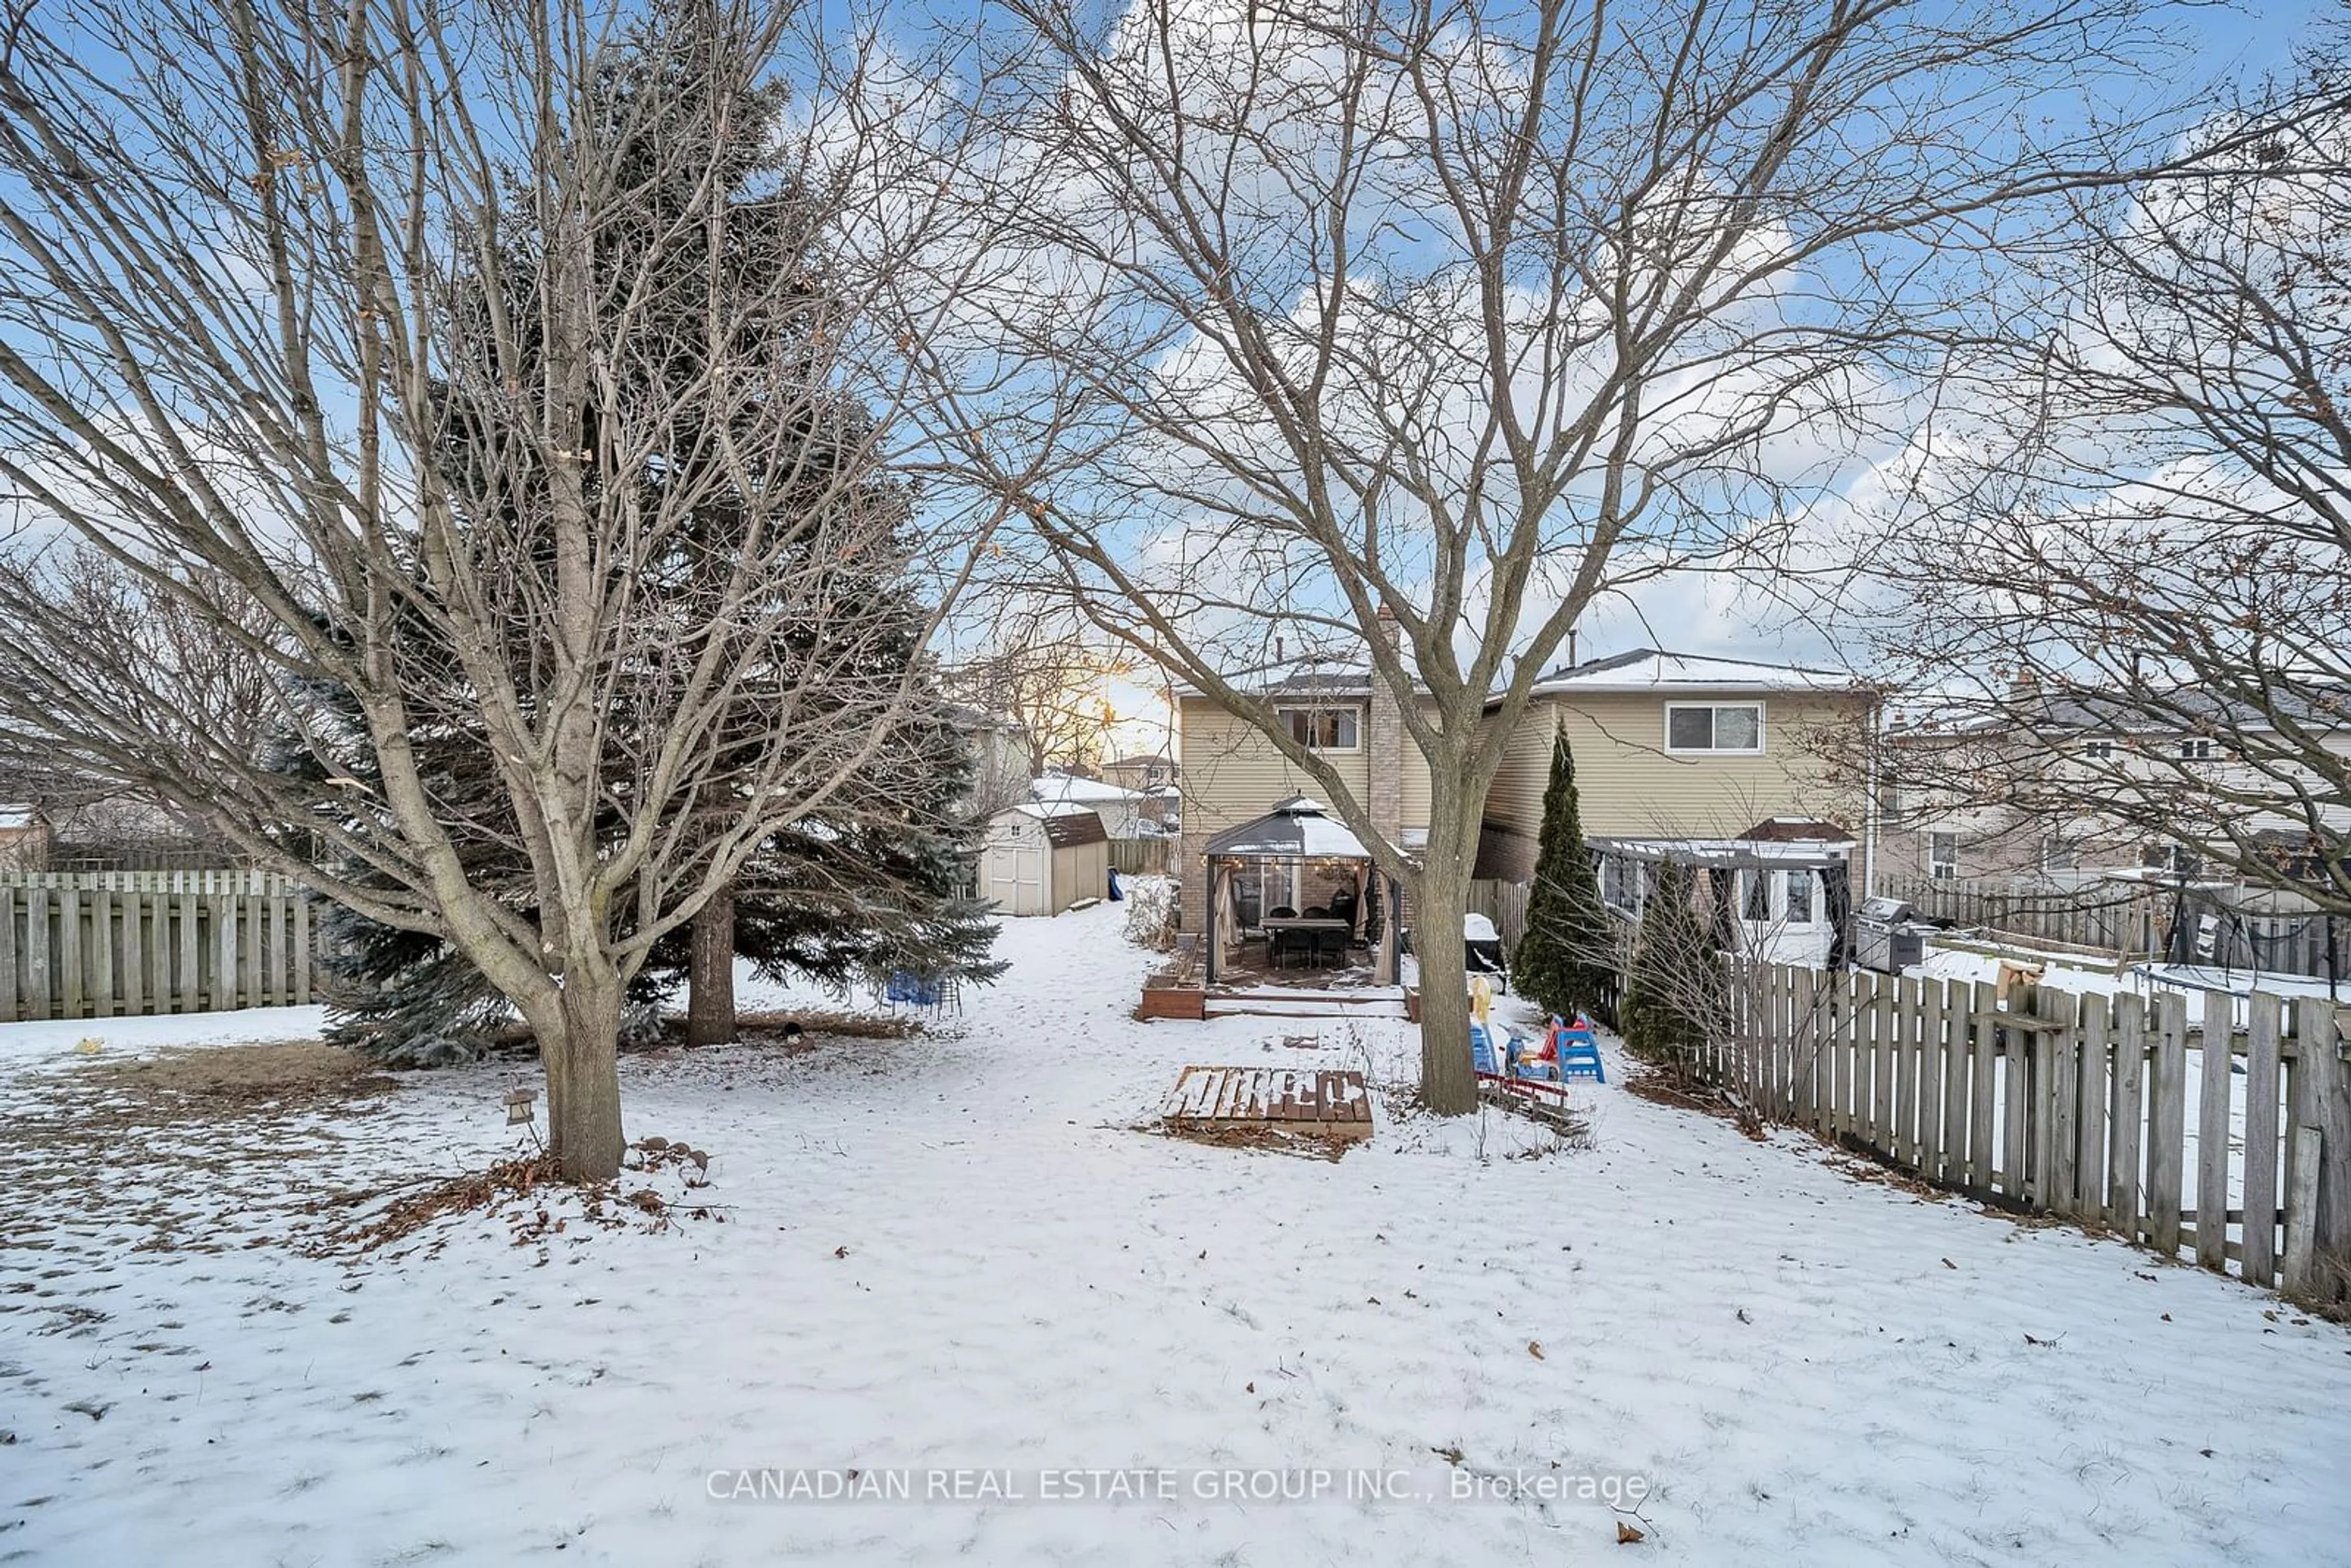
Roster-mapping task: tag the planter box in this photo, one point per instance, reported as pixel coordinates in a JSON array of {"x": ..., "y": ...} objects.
[{"x": 1173, "y": 1002}]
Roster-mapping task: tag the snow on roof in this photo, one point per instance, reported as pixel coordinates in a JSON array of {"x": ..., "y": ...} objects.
[
  {"x": 1063, "y": 787},
  {"x": 1654, "y": 669},
  {"x": 1065, "y": 822},
  {"x": 1295, "y": 828},
  {"x": 13, "y": 816}
]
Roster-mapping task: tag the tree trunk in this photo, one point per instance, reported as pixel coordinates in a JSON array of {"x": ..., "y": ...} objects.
[
  {"x": 710, "y": 974},
  {"x": 579, "y": 1047},
  {"x": 1448, "y": 1085}
]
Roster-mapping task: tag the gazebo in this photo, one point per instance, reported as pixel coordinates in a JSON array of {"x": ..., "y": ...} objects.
[{"x": 1297, "y": 839}]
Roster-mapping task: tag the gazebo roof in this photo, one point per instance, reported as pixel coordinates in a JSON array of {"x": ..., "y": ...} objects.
[{"x": 1296, "y": 828}]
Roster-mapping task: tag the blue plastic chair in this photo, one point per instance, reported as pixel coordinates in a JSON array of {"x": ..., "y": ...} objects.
[{"x": 1578, "y": 1051}]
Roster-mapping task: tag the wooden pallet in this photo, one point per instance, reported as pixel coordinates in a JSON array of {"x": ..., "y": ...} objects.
[{"x": 1284, "y": 1099}]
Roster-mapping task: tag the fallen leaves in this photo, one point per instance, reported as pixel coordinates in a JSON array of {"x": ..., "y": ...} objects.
[
  {"x": 1534, "y": 1348},
  {"x": 1626, "y": 1535}
]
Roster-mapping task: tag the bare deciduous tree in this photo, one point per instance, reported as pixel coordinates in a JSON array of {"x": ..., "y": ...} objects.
[
  {"x": 365, "y": 318},
  {"x": 1476, "y": 315},
  {"x": 2132, "y": 591}
]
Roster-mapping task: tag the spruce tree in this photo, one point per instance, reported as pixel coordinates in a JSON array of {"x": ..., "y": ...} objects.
[
  {"x": 1566, "y": 962},
  {"x": 1676, "y": 991},
  {"x": 875, "y": 880}
]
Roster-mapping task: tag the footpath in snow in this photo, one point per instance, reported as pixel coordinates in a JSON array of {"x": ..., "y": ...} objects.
[{"x": 951, "y": 1263}]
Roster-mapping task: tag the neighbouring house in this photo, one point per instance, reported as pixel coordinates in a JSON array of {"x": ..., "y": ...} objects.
[
  {"x": 2063, "y": 787},
  {"x": 1668, "y": 748},
  {"x": 24, "y": 838},
  {"x": 1000, "y": 757},
  {"x": 1148, "y": 773},
  {"x": 1125, "y": 814},
  {"x": 1040, "y": 858}
]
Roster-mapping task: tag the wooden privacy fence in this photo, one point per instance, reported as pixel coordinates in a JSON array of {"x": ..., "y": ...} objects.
[
  {"x": 1504, "y": 903},
  {"x": 1140, "y": 857},
  {"x": 75, "y": 951},
  {"x": 210, "y": 880},
  {"x": 2118, "y": 1112},
  {"x": 2111, "y": 917}
]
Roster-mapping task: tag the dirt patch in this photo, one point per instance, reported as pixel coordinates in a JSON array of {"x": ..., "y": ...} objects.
[{"x": 285, "y": 1075}]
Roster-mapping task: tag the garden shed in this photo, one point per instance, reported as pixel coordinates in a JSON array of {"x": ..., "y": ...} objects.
[{"x": 1039, "y": 859}]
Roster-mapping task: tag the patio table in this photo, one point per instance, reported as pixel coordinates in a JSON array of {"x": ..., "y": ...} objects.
[{"x": 1314, "y": 927}]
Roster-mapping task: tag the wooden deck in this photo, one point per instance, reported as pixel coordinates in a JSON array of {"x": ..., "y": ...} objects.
[{"x": 1281, "y": 1099}]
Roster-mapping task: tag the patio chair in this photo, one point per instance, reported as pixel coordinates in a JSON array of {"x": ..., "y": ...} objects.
[
  {"x": 1330, "y": 946},
  {"x": 1342, "y": 907},
  {"x": 1280, "y": 944}
]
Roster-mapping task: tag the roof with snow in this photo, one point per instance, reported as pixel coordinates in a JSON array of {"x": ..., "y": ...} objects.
[
  {"x": 1296, "y": 828},
  {"x": 1654, "y": 669},
  {"x": 1639, "y": 670},
  {"x": 16, "y": 816},
  {"x": 1060, "y": 787},
  {"x": 1065, "y": 824}
]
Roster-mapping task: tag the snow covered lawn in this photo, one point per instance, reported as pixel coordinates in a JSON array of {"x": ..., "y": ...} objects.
[{"x": 954, "y": 1253}]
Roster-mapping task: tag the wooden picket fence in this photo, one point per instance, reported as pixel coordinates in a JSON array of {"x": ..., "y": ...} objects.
[
  {"x": 75, "y": 950},
  {"x": 2118, "y": 1112}
]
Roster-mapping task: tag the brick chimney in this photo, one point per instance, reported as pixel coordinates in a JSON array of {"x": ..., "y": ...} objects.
[{"x": 1384, "y": 744}]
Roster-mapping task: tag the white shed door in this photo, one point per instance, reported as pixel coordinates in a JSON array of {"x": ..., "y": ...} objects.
[{"x": 1015, "y": 879}]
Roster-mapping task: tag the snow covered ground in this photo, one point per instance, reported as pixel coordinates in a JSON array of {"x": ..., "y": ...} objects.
[{"x": 955, "y": 1253}]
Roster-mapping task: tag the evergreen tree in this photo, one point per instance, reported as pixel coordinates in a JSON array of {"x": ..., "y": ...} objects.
[
  {"x": 875, "y": 880},
  {"x": 1675, "y": 993},
  {"x": 1566, "y": 962}
]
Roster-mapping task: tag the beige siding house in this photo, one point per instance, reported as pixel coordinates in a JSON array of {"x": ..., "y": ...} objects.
[{"x": 1667, "y": 746}]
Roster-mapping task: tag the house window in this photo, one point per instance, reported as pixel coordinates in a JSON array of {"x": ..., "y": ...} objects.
[
  {"x": 2196, "y": 751},
  {"x": 2098, "y": 751},
  {"x": 2177, "y": 858},
  {"x": 1800, "y": 898},
  {"x": 1943, "y": 854},
  {"x": 1759, "y": 895},
  {"x": 1736, "y": 729},
  {"x": 1324, "y": 728},
  {"x": 2056, "y": 854}
]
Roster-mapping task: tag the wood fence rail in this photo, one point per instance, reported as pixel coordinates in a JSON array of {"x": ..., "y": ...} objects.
[
  {"x": 77, "y": 951},
  {"x": 2114, "y": 1111}
]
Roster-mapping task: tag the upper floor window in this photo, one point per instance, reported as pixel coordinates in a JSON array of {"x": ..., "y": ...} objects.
[
  {"x": 1943, "y": 854},
  {"x": 1733, "y": 727},
  {"x": 2197, "y": 750},
  {"x": 1324, "y": 728},
  {"x": 2097, "y": 750}
]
